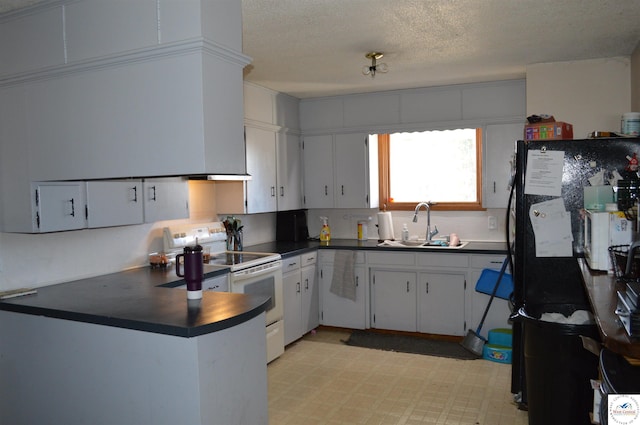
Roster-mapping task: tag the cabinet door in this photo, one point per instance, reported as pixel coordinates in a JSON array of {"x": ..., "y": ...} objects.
[
  {"x": 114, "y": 203},
  {"x": 441, "y": 303},
  {"x": 498, "y": 314},
  {"x": 351, "y": 171},
  {"x": 499, "y": 149},
  {"x": 165, "y": 199},
  {"x": 59, "y": 206},
  {"x": 289, "y": 176},
  {"x": 261, "y": 165},
  {"x": 318, "y": 171},
  {"x": 310, "y": 300},
  {"x": 393, "y": 298},
  {"x": 338, "y": 311},
  {"x": 292, "y": 306}
]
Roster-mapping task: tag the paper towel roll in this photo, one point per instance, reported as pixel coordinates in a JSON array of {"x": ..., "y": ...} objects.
[{"x": 385, "y": 226}]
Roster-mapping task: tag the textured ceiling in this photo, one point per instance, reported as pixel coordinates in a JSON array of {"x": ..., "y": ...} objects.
[{"x": 311, "y": 48}]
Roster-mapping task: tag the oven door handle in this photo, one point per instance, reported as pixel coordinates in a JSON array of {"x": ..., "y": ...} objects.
[{"x": 251, "y": 273}]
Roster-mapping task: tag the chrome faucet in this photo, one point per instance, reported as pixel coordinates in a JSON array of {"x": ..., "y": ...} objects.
[{"x": 427, "y": 205}]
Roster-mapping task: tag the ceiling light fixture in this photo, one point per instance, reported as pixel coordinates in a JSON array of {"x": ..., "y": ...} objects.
[{"x": 375, "y": 67}]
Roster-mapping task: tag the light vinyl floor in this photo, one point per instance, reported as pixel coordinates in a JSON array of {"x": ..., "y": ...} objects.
[{"x": 319, "y": 380}]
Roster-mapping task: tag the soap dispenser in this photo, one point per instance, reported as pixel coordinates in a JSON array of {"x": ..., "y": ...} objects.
[
  {"x": 325, "y": 232},
  {"x": 405, "y": 233}
]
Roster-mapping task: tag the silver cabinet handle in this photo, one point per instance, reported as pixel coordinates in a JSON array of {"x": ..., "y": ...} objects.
[
  {"x": 153, "y": 198},
  {"x": 306, "y": 284},
  {"x": 281, "y": 191},
  {"x": 407, "y": 286},
  {"x": 73, "y": 208},
  {"x": 326, "y": 190},
  {"x": 135, "y": 193},
  {"x": 427, "y": 285},
  {"x": 298, "y": 287}
]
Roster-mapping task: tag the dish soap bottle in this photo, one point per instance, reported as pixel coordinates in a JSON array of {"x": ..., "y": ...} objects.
[
  {"x": 325, "y": 232},
  {"x": 405, "y": 233}
]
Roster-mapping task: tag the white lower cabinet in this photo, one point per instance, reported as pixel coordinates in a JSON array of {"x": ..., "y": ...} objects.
[
  {"x": 423, "y": 292},
  {"x": 393, "y": 300},
  {"x": 335, "y": 310},
  {"x": 500, "y": 310},
  {"x": 441, "y": 303},
  {"x": 301, "y": 303}
]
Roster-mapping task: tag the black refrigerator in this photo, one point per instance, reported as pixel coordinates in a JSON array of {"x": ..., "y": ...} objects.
[{"x": 547, "y": 278}]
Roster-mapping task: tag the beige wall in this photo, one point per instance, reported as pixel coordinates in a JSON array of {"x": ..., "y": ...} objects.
[
  {"x": 590, "y": 94},
  {"x": 635, "y": 79}
]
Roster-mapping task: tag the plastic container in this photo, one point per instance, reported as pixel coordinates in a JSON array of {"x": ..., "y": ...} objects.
[
  {"x": 405, "y": 233},
  {"x": 558, "y": 369},
  {"x": 363, "y": 231},
  {"x": 501, "y": 336},
  {"x": 497, "y": 353},
  {"x": 630, "y": 124}
]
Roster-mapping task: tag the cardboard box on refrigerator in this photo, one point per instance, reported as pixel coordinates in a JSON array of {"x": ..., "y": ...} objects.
[{"x": 556, "y": 130}]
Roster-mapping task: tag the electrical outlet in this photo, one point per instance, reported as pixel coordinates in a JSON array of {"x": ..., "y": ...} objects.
[{"x": 493, "y": 222}]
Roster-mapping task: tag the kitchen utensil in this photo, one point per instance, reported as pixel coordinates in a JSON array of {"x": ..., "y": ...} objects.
[
  {"x": 193, "y": 270},
  {"x": 472, "y": 341}
]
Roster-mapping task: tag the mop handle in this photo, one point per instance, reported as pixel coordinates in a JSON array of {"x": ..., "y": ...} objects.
[{"x": 493, "y": 294}]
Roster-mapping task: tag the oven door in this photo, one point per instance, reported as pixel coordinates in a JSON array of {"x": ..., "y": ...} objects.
[{"x": 266, "y": 280}]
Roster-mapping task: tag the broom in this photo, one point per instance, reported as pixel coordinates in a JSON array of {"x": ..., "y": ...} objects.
[{"x": 472, "y": 341}]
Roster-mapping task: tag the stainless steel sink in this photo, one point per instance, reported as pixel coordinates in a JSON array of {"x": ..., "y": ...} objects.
[{"x": 437, "y": 244}]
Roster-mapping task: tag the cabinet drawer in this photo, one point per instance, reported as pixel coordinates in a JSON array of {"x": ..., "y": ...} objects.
[
  {"x": 328, "y": 255},
  {"x": 487, "y": 261},
  {"x": 443, "y": 260},
  {"x": 308, "y": 259},
  {"x": 391, "y": 258},
  {"x": 290, "y": 264}
]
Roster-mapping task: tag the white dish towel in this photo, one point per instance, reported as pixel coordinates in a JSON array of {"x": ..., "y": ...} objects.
[{"x": 343, "y": 283}]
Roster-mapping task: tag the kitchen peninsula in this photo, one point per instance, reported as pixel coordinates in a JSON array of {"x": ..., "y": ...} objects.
[{"x": 120, "y": 348}]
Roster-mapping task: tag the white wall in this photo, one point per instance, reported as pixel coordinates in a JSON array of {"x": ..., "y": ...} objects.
[
  {"x": 590, "y": 94},
  {"x": 469, "y": 225}
]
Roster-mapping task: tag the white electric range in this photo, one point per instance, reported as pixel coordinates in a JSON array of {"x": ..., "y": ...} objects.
[{"x": 249, "y": 272}]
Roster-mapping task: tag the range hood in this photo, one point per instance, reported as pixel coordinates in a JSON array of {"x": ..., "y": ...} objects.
[{"x": 222, "y": 177}]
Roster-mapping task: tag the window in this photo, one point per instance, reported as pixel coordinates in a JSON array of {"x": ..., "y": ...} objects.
[{"x": 442, "y": 166}]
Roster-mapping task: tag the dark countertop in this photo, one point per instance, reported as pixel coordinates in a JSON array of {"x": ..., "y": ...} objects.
[
  {"x": 144, "y": 299},
  {"x": 601, "y": 290},
  {"x": 287, "y": 249},
  {"x": 134, "y": 300}
]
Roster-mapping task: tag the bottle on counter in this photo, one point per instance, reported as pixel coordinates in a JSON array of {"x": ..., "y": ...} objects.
[
  {"x": 325, "y": 232},
  {"x": 405, "y": 233}
]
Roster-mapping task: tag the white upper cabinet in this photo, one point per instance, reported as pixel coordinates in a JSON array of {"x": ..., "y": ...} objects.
[
  {"x": 341, "y": 171},
  {"x": 272, "y": 154},
  {"x": 57, "y": 206},
  {"x": 356, "y": 171},
  {"x": 318, "y": 171},
  {"x": 165, "y": 199},
  {"x": 498, "y": 153},
  {"x": 289, "y": 173},
  {"x": 261, "y": 164},
  {"x": 114, "y": 203}
]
